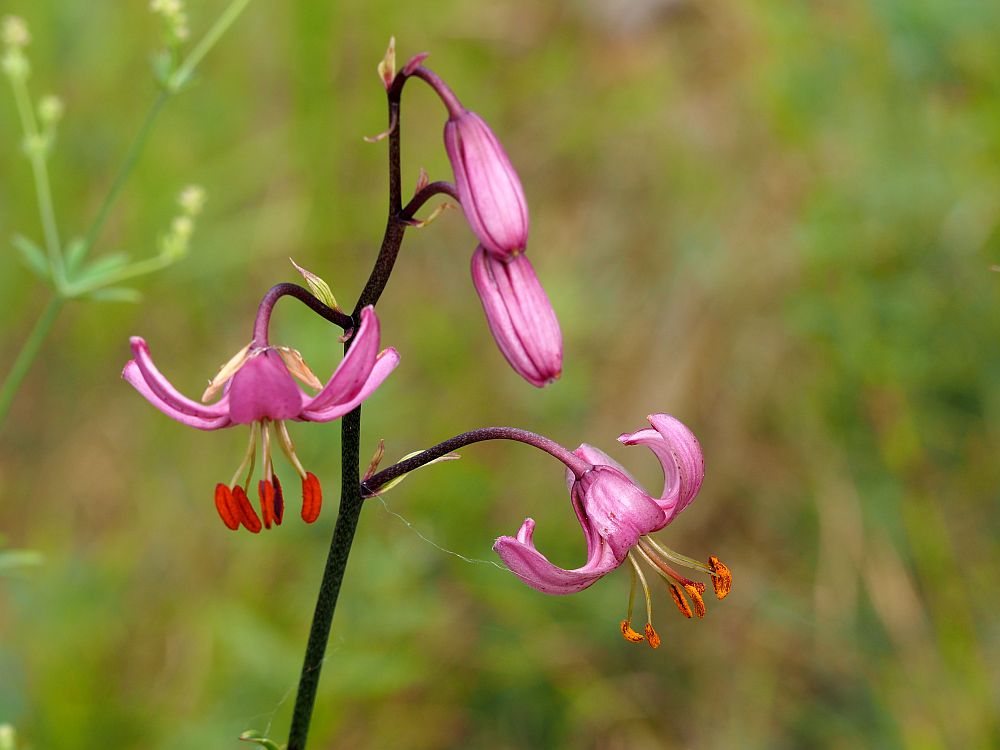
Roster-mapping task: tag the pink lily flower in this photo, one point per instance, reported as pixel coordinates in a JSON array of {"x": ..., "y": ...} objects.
[
  {"x": 617, "y": 515},
  {"x": 258, "y": 390},
  {"x": 519, "y": 315}
]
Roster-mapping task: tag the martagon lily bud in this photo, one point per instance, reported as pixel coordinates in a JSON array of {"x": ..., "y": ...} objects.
[
  {"x": 488, "y": 187},
  {"x": 519, "y": 315}
]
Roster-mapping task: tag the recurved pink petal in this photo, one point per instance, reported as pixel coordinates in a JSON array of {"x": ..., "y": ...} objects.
[
  {"x": 263, "y": 388},
  {"x": 532, "y": 567},
  {"x": 680, "y": 456},
  {"x": 134, "y": 376},
  {"x": 354, "y": 369},
  {"x": 164, "y": 392},
  {"x": 385, "y": 363}
]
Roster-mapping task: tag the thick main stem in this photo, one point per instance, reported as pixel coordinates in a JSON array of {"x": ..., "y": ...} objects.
[
  {"x": 350, "y": 493},
  {"x": 333, "y": 576}
]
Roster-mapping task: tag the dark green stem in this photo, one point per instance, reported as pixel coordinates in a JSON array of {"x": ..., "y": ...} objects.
[
  {"x": 333, "y": 576},
  {"x": 350, "y": 491}
]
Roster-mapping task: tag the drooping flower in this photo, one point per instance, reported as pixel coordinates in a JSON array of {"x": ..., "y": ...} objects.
[
  {"x": 488, "y": 187},
  {"x": 258, "y": 390},
  {"x": 519, "y": 315},
  {"x": 617, "y": 516}
]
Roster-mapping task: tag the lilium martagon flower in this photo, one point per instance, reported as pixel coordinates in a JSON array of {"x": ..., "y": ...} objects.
[
  {"x": 617, "y": 517},
  {"x": 258, "y": 390}
]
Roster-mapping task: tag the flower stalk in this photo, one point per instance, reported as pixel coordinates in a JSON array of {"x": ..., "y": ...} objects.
[{"x": 371, "y": 486}]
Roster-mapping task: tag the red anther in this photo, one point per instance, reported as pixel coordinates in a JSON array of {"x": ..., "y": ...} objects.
[
  {"x": 227, "y": 507},
  {"x": 266, "y": 493},
  {"x": 279, "y": 500},
  {"x": 248, "y": 516},
  {"x": 312, "y": 498}
]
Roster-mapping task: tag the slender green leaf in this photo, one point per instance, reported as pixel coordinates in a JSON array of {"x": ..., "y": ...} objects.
[
  {"x": 75, "y": 252},
  {"x": 252, "y": 735},
  {"x": 116, "y": 294},
  {"x": 19, "y": 558},
  {"x": 101, "y": 268},
  {"x": 32, "y": 256}
]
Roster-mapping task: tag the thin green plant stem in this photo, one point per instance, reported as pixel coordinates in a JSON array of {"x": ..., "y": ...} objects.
[
  {"x": 28, "y": 353},
  {"x": 36, "y": 152},
  {"x": 174, "y": 84},
  {"x": 127, "y": 165},
  {"x": 221, "y": 25}
]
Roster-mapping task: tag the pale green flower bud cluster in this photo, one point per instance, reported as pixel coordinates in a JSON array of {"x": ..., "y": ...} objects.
[
  {"x": 15, "y": 32},
  {"x": 15, "y": 36},
  {"x": 174, "y": 18},
  {"x": 51, "y": 110},
  {"x": 174, "y": 244},
  {"x": 8, "y": 738}
]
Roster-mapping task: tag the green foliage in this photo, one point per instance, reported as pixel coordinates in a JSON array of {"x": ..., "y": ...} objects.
[{"x": 773, "y": 220}]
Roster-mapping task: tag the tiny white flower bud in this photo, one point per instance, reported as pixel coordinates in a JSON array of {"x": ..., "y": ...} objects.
[
  {"x": 50, "y": 109},
  {"x": 36, "y": 144},
  {"x": 15, "y": 32},
  {"x": 8, "y": 738},
  {"x": 15, "y": 64},
  {"x": 182, "y": 227},
  {"x": 192, "y": 200}
]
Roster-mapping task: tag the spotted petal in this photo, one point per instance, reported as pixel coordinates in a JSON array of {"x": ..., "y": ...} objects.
[
  {"x": 597, "y": 457},
  {"x": 263, "y": 389},
  {"x": 385, "y": 363},
  {"x": 532, "y": 567},
  {"x": 133, "y": 375},
  {"x": 613, "y": 513},
  {"x": 354, "y": 369},
  {"x": 680, "y": 456},
  {"x": 143, "y": 375}
]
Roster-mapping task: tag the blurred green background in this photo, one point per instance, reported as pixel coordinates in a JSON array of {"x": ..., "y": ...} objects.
[{"x": 774, "y": 221}]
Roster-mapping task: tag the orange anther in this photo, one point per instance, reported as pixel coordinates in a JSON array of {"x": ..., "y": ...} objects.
[
  {"x": 228, "y": 510},
  {"x": 694, "y": 591},
  {"x": 248, "y": 516},
  {"x": 312, "y": 498},
  {"x": 722, "y": 578},
  {"x": 266, "y": 493},
  {"x": 680, "y": 600},
  {"x": 630, "y": 635},
  {"x": 651, "y": 637}
]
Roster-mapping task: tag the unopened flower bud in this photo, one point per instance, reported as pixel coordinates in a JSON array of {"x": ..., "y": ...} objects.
[
  {"x": 192, "y": 200},
  {"x": 488, "y": 187},
  {"x": 182, "y": 227},
  {"x": 174, "y": 17},
  {"x": 15, "y": 32},
  {"x": 519, "y": 315},
  {"x": 51, "y": 109}
]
